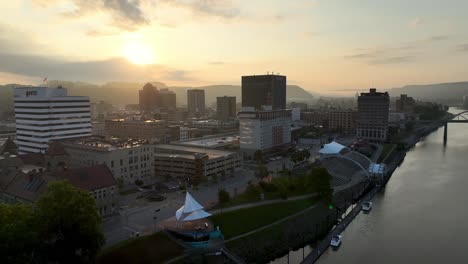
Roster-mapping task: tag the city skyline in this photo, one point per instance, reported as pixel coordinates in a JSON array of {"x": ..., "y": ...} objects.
[{"x": 370, "y": 44}]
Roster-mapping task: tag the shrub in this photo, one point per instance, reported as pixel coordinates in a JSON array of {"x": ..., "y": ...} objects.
[
  {"x": 268, "y": 187},
  {"x": 223, "y": 196},
  {"x": 253, "y": 191}
]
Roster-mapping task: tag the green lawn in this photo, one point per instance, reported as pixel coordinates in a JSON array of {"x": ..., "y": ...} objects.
[
  {"x": 275, "y": 241},
  {"x": 244, "y": 220},
  {"x": 156, "y": 248}
]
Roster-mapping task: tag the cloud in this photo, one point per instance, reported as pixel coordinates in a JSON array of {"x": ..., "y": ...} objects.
[
  {"x": 125, "y": 14},
  {"x": 400, "y": 53},
  {"x": 12, "y": 40},
  {"x": 392, "y": 55},
  {"x": 392, "y": 60},
  {"x": 178, "y": 75},
  {"x": 438, "y": 38},
  {"x": 415, "y": 22},
  {"x": 216, "y": 62},
  {"x": 462, "y": 47},
  {"x": 89, "y": 71},
  {"x": 224, "y": 9}
]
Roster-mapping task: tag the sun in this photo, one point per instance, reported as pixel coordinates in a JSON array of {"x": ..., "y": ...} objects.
[{"x": 138, "y": 53}]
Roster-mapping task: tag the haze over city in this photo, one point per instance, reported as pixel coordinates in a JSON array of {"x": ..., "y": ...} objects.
[
  {"x": 331, "y": 47},
  {"x": 232, "y": 131}
]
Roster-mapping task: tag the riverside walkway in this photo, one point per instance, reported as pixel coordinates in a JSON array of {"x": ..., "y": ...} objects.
[{"x": 338, "y": 229}]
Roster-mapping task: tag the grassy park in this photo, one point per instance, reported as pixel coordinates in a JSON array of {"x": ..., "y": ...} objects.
[{"x": 241, "y": 221}]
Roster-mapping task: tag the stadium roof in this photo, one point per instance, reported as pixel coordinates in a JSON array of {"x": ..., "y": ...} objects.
[{"x": 331, "y": 148}]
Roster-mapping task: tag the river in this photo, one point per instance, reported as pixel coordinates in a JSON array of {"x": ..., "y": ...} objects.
[{"x": 420, "y": 216}]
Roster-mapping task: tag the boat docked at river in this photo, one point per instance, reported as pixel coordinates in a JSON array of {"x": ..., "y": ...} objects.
[
  {"x": 366, "y": 206},
  {"x": 336, "y": 241}
]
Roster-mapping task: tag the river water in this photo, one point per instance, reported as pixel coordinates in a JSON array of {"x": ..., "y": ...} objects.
[{"x": 420, "y": 216}]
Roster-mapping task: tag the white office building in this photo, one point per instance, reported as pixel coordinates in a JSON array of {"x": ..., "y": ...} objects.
[
  {"x": 44, "y": 114},
  {"x": 264, "y": 129}
]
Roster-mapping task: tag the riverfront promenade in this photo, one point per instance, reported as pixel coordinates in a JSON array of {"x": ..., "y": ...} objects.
[{"x": 338, "y": 229}]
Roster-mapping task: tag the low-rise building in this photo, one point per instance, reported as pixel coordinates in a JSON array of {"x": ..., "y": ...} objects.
[
  {"x": 295, "y": 114},
  {"x": 189, "y": 163},
  {"x": 218, "y": 141},
  {"x": 231, "y": 124},
  {"x": 99, "y": 182},
  {"x": 141, "y": 129},
  {"x": 342, "y": 120},
  {"x": 317, "y": 117},
  {"x": 25, "y": 177},
  {"x": 128, "y": 159}
]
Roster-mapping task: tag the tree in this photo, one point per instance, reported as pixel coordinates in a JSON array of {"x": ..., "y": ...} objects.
[
  {"x": 223, "y": 196},
  {"x": 262, "y": 172},
  {"x": 70, "y": 226},
  {"x": 18, "y": 237},
  {"x": 139, "y": 182},
  {"x": 319, "y": 180},
  {"x": 299, "y": 156},
  {"x": 258, "y": 157}
]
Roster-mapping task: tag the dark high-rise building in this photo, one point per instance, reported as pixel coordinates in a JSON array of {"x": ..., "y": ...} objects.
[
  {"x": 226, "y": 107},
  {"x": 405, "y": 104},
  {"x": 148, "y": 98},
  {"x": 196, "y": 101},
  {"x": 167, "y": 99},
  {"x": 152, "y": 99},
  {"x": 258, "y": 90},
  {"x": 373, "y": 108}
]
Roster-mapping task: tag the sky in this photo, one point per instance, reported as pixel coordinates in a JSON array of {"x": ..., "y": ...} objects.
[{"x": 327, "y": 46}]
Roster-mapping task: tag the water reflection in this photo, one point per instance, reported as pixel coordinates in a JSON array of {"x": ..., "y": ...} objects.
[{"x": 419, "y": 216}]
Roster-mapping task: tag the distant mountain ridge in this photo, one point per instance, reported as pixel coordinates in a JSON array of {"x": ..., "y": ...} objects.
[
  {"x": 127, "y": 93},
  {"x": 434, "y": 92}
]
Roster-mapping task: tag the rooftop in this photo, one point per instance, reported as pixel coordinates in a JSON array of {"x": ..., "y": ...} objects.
[
  {"x": 130, "y": 120},
  {"x": 210, "y": 142},
  {"x": 177, "y": 150},
  {"x": 101, "y": 144},
  {"x": 28, "y": 186},
  {"x": 89, "y": 178}
]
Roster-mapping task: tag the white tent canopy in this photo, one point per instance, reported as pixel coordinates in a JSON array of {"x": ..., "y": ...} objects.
[
  {"x": 191, "y": 210},
  {"x": 331, "y": 148}
]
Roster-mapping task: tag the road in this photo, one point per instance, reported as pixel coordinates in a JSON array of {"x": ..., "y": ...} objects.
[{"x": 138, "y": 215}]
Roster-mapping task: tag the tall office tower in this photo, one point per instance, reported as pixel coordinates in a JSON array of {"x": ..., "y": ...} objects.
[
  {"x": 226, "y": 107},
  {"x": 167, "y": 99},
  {"x": 44, "y": 114},
  {"x": 148, "y": 98},
  {"x": 259, "y": 90},
  {"x": 196, "y": 101},
  {"x": 373, "y": 108}
]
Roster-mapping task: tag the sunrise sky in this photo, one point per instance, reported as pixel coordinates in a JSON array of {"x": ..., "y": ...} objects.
[{"x": 328, "y": 46}]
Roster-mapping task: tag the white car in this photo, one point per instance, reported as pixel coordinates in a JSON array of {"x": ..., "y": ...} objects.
[{"x": 336, "y": 241}]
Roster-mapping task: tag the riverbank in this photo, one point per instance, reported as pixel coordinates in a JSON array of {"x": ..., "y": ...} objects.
[{"x": 392, "y": 160}]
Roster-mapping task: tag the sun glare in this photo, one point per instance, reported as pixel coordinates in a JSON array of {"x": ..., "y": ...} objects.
[{"x": 138, "y": 53}]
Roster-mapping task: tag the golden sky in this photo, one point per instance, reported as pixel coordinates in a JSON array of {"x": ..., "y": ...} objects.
[{"x": 328, "y": 46}]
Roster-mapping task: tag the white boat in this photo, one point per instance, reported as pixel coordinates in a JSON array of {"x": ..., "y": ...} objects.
[
  {"x": 336, "y": 241},
  {"x": 366, "y": 206}
]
